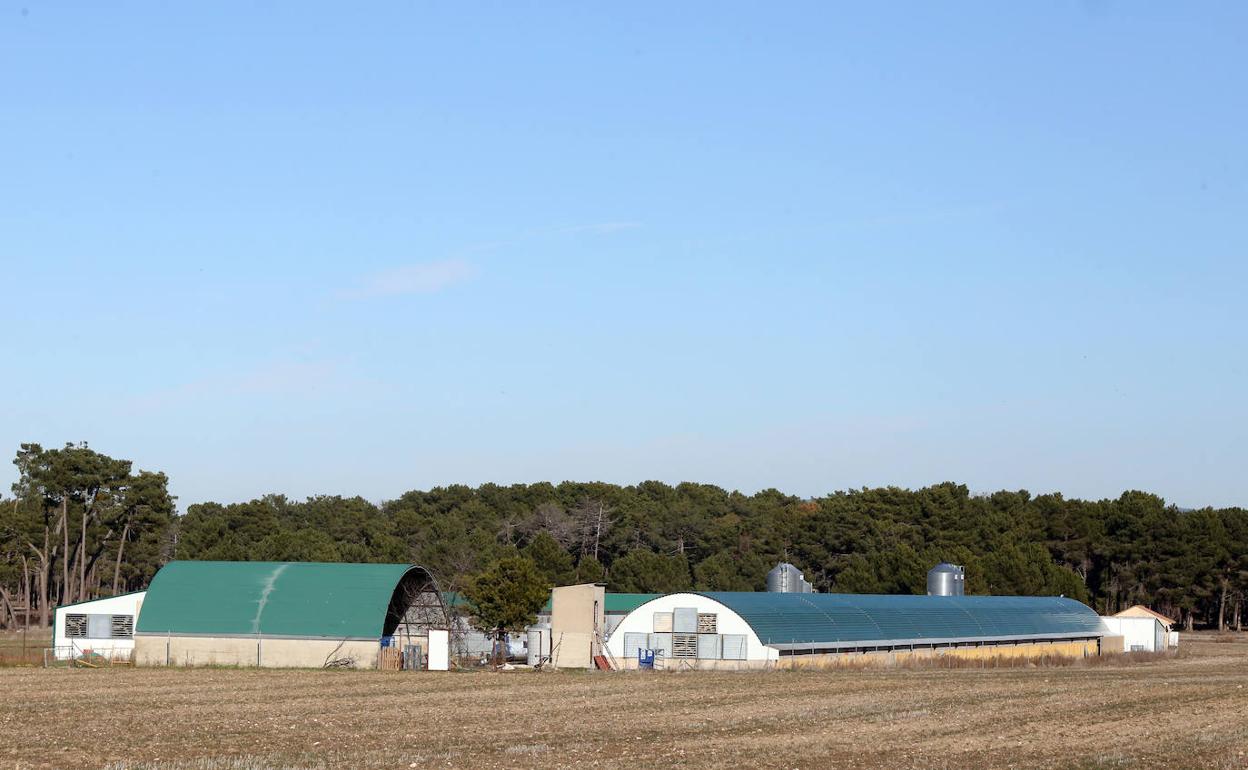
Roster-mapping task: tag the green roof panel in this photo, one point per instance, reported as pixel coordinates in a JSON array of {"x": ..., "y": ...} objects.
[
  {"x": 626, "y": 602},
  {"x": 299, "y": 599}
]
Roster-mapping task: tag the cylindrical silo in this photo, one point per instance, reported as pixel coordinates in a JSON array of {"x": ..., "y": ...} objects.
[
  {"x": 784, "y": 578},
  {"x": 946, "y": 579},
  {"x": 539, "y": 643}
]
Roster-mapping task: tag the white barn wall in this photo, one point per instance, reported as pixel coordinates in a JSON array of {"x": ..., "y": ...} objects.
[
  {"x": 1148, "y": 633},
  {"x": 641, "y": 621},
  {"x": 65, "y": 648}
]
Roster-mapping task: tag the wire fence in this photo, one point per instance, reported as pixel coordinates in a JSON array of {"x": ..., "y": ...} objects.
[{"x": 74, "y": 656}]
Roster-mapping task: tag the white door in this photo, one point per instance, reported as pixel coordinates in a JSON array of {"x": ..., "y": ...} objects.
[{"x": 439, "y": 650}]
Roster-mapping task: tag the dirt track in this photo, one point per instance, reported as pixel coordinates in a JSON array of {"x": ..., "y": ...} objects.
[{"x": 1189, "y": 712}]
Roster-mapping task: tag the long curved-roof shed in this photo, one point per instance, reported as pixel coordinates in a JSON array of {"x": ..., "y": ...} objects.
[
  {"x": 300, "y": 600},
  {"x": 761, "y": 627},
  {"x": 796, "y": 621}
]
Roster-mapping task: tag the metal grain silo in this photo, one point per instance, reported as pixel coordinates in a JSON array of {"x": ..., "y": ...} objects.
[
  {"x": 539, "y": 643},
  {"x": 784, "y": 578},
  {"x": 946, "y": 579}
]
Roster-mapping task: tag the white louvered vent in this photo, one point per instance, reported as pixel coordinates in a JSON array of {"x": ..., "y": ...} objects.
[
  {"x": 684, "y": 645},
  {"x": 708, "y": 623},
  {"x": 733, "y": 646},
  {"x": 661, "y": 644},
  {"x": 632, "y": 643},
  {"x": 685, "y": 620}
]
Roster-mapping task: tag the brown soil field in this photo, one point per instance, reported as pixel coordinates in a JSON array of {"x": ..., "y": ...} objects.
[{"x": 1186, "y": 711}]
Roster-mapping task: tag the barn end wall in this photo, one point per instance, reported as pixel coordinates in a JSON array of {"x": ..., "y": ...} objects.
[
  {"x": 245, "y": 652},
  {"x": 641, "y": 621},
  {"x": 1146, "y": 634},
  {"x": 115, "y": 648}
]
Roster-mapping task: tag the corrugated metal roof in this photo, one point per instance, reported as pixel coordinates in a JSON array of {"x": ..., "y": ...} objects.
[
  {"x": 782, "y": 620},
  {"x": 262, "y": 598},
  {"x": 1139, "y": 611},
  {"x": 626, "y": 602}
]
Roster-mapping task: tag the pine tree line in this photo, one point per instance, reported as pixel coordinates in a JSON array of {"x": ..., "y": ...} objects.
[{"x": 81, "y": 525}]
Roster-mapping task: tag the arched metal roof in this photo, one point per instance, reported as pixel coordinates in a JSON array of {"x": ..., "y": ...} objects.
[
  {"x": 263, "y": 598},
  {"x": 792, "y": 621}
]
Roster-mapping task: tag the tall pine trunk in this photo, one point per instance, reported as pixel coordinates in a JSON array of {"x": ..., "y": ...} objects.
[
  {"x": 598, "y": 530},
  {"x": 6, "y": 603},
  {"x": 45, "y": 566},
  {"x": 1222, "y": 606},
  {"x": 27, "y": 588},
  {"x": 65, "y": 573},
  {"x": 82, "y": 559},
  {"x": 121, "y": 548}
]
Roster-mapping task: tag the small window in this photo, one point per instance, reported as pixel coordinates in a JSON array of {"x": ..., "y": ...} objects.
[
  {"x": 662, "y": 622},
  {"x": 708, "y": 623},
  {"x": 75, "y": 625},
  {"x": 123, "y": 626},
  {"x": 100, "y": 626}
]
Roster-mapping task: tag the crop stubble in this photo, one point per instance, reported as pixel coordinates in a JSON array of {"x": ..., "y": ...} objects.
[{"x": 1185, "y": 712}]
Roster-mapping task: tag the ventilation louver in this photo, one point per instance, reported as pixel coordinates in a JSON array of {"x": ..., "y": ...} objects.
[
  {"x": 684, "y": 645},
  {"x": 75, "y": 625},
  {"x": 123, "y": 626}
]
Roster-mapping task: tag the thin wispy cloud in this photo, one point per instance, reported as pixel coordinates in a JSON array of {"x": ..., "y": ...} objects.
[
  {"x": 436, "y": 275},
  {"x": 283, "y": 377},
  {"x": 286, "y": 379},
  {"x": 419, "y": 278}
]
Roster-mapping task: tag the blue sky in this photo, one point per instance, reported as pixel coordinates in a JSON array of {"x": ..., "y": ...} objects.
[{"x": 360, "y": 249}]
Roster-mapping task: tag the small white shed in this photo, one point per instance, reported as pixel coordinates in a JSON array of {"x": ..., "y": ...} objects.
[
  {"x": 1139, "y": 634},
  {"x": 100, "y": 626}
]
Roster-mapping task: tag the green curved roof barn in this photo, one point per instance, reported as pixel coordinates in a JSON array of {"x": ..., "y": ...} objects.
[{"x": 275, "y": 599}]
